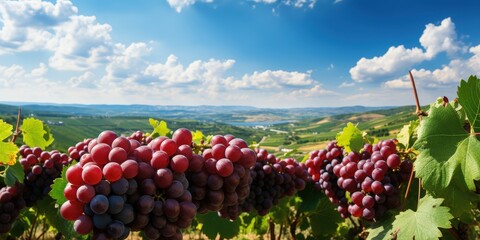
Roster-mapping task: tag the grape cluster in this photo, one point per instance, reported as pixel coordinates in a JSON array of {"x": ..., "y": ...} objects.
[
  {"x": 41, "y": 168},
  {"x": 320, "y": 167},
  {"x": 273, "y": 179},
  {"x": 11, "y": 202},
  {"x": 372, "y": 179},
  {"x": 219, "y": 178},
  {"x": 121, "y": 185}
]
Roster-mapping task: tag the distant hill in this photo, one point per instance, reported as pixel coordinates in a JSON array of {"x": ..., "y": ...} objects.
[{"x": 234, "y": 115}]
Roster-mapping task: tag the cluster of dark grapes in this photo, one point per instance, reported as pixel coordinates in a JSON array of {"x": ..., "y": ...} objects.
[
  {"x": 219, "y": 178},
  {"x": 372, "y": 178},
  {"x": 273, "y": 179},
  {"x": 41, "y": 168},
  {"x": 121, "y": 185},
  {"x": 320, "y": 167},
  {"x": 11, "y": 203}
]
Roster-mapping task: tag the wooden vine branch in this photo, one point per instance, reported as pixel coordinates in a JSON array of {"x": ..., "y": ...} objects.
[
  {"x": 17, "y": 130},
  {"x": 420, "y": 114}
]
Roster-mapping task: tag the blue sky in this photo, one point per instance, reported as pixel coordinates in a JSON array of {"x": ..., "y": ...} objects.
[{"x": 264, "y": 53}]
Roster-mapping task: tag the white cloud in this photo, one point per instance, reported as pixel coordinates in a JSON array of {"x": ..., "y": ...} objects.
[
  {"x": 86, "y": 80},
  {"x": 434, "y": 40},
  {"x": 265, "y": 1},
  {"x": 331, "y": 66},
  {"x": 314, "y": 91},
  {"x": 273, "y": 79},
  {"x": 40, "y": 71},
  {"x": 447, "y": 75},
  {"x": 337, "y": 1},
  {"x": 29, "y": 25},
  {"x": 180, "y": 4},
  {"x": 442, "y": 38},
  {"x": 346, "y": 84}
]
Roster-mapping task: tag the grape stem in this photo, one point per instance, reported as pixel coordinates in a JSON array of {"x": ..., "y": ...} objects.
[
  {"x": 272, "y": 229},
  {"x": 17, "y": 131},
  {"x": 420, "y": 114}
]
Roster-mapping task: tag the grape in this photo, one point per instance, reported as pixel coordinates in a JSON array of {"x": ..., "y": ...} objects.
[
  {"x": 169, "y": 146},
  {"x": 71, "y": 210},
  {"x": 159, "y": 160},
  {"x": 179, "y": 163},
  {"x": 120, "y": 187},
  {"x": 91, "y": 174},
  {"x": 144, "y": 154},
  {"x": 145, "y": 204},
  {"x": 103, "y": 187},
  {"x": 112, "y": 171},
  {"x": 99, "y": 204},
  {"x": 121, "y": 142},
  {"x": 115, "y": 204},
  {"x": 101, "y": 221},
  {"x": 118, "y": 155},
  {"x": 83, "y": 225},
  {"x": 377, "y": 187},
  {"x": 182, "y": 136},
  {"x": 107, "y": 137},
  {"x": 74, "y": 175},
  {"x": 85, "y": 193},
  {"x": 100, "y": 153},
  {"x": 171, "y": 208},
  {"x": 127, "y": 215},
  {"x": 368, "y": 201},
  {"x": 224, "y": 167},
  {"x": 129, "y": 169},
  {"x": 218, "y": 151},
  {"x": 115, "y": 229},
  {"x": 163, "y": 178}
]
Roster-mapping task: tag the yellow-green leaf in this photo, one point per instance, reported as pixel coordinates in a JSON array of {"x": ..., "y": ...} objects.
[
  {"x": 5, "y": 130},
  {"x": 8, "y": 153},
  {"x": 159, "y": 127},
  {"x": 351, "y": 138},
  {"x": 34, "y": 133},
  {"x": 198, "y": 137}
]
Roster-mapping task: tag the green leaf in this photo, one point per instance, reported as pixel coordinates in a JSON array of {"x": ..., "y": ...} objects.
[
  {"x": 310, "y": 199},
  {"x": 58, "y": 186},
  {"x": 159, "y": 127},
  {"x": 213, "y": 225},
  {"x": 381, "y": 229},
  {"x": 23, "y": 223},
  {"x": 258, "y": 225},
  {"x": 198, "y": 137},
  {"x": 8, "y": 153},
  {"x": 469, "y": 97},
  {"x": 351, "y": 138},
  {"x": 34, "y": 133},
  {"x": 14, "y": 173},
  {"x": 407, "y": 136},
  {"x": 305, "y": 157},
  {"x": 5, "y": 130},
  {"x": 448, "y": 163},
  {"x": 48, "y": 135},
  {"x": 424, "y": 223},
  {"x": 325, "y": 219},
  {"x": 48, "y": 207}
]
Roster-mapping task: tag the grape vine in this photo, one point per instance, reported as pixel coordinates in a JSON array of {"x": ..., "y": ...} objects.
[{"x": 422, "y": 184}]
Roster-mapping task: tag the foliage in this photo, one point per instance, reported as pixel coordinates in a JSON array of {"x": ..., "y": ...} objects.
[
  {"x": 423, "y": 223},
  {"x": 35, "y": 134}
]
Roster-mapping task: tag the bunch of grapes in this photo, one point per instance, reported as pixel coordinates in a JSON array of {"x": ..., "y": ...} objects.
[
  {"x": 219, "y": 179},
  {"x": 11, "y": 203},
  {"x": 273, "y": 179},
  {"x": 371, "y": 178},
  {"x": 41, "y": 168},
  {"x": 121, "y": 185},
  {"x": 321, "y": 165}
]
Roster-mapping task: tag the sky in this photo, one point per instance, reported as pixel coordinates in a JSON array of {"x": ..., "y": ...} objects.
[{"x": 262, "y": 53}]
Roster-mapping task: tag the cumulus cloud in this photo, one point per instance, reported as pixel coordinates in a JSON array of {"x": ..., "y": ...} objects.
[
  {"x": 434, "y": 40},
  {"x": 178, "y": 5},
  {"x": 445, "y": 76},
  {"x": 315, "y": 91},
  {"x": 78, "y": 42},
  {"x": 17, "y": 76},
  {"x": 273, "y": 79},
  {"x": 346, "y": 84}
]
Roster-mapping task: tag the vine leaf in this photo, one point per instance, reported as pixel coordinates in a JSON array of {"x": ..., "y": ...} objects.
[
  {"x": 8, "y": 153},
  {"x": 448, "y": 162},
  {"x": 325, "y": 220},
  {"x": 53, "y": 217},
  {"x": 381, "y": 229},
  {"x": 34, "y": 133},
  {"x": 351, "y": 138},
  {"x": 5, "y": 130},
  {"x": 407, "y": 135},
  {"x": 14, "y": 173},
  {"x": 424, "y": 223},
  {"x": 213, "y": 225},
  {"x": 469, "y": 97},
  {"x": 58, "y": 187},
  {"x": 198, "y": 137},
  {"x": 159, "y": 127}
]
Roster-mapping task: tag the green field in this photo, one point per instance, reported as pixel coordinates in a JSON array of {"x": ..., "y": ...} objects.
[{"x": 305, "y": 135}]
